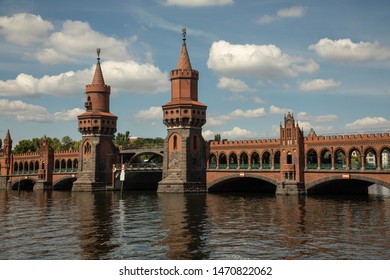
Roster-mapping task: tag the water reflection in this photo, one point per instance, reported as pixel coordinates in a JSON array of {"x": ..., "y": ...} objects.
[{"x": 147, "y": 225}]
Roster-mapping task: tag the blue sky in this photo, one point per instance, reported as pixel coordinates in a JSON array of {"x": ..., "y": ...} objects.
[{"x": 328, "y": 62}]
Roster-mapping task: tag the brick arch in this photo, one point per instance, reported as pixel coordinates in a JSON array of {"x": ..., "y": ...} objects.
[
  {"x": 62, "y": 181},
  {"x": 237, "y": 176},
  {"x": 366, "y": 149},
  {"x": 327, "y": 179},
  {"x": 22, "y": 182}
]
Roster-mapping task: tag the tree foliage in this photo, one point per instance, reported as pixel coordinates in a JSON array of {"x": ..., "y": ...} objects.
[{"x": 33, "y": 145}]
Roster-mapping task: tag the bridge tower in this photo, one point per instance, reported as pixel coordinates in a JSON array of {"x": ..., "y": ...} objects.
[
  {"x": 5, "y": 161},
  {"x": 292, "y": 157},
  {"x": 97, "y": 126},
  {"x": 184, "y": 164}
]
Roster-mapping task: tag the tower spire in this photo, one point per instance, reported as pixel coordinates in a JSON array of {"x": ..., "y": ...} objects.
[
  {"x": 184, "y": 60},
  {"x": 98, "y": 76}
]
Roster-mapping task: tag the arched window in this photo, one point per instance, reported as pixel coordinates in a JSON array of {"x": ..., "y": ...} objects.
[
  {"x": 385, "y": 159},
  {"x": 326, "y": 159},
  {"x": 355, "y": 161},
  {"x": 312, "y": 162},
  {"x": 244, "y": 161},
  {"x": 195, "y": 142},
  {"x": 87, "y": 148},
  {"x": 75, "y": 164},
  {"x": 222, "y": 161},
  {"x": 57, "y": 166},
  {"x": 277, "y": 160},
  {"x": 212, "y": 161},
  {"x": 63, "y": 165},
  {"x": 69, "y": 165},
  {"x": 174, "y": 142},
  {"x": 289, "y": 158},
  {"x": 370, "y": 159},
  {"x": 16, "y": 168},
  {"x": 233, "y": 164},
  {"x": 36, "y": 166},
  {"x": 340, "y": 160},
  {"x": 255, "y": 160},
  {"x": 266, "y": 161}
]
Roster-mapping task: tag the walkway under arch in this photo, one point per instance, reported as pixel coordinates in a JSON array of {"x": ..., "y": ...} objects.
[
  {"x": 65, "y": 183},
  {"x": 23, "y": 184}
]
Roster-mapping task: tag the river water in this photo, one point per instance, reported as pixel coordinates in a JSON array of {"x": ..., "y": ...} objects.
[{"x": 147, "y": 225}]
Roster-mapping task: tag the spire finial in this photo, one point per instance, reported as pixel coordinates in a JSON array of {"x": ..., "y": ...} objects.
[
  {"x": 184, "y": 33},
  {"x": 98, "y": 54}
]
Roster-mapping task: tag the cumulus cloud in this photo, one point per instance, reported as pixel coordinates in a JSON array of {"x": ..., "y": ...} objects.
[
  {"x": 25, "y": 29},
  {"x": 23, "y": 111},
  {"x": 319, "y": 85},
  {"x": 279, "y": 111},
  {"x": 233, "y": 85},
  {"x": 369, "y": 123},
  {"x": 236, "y": 114},
  {"x": 237, "y": 133},
  {"x": 264, "y": 61},
  {"x": 151, "y": 113},
  {"x": 198, "y": 3},
  {"x": 292, "y": 12},
  {"x": 125, "y": 76},
  {"x": 303, "y": 116},
  {"x": 68, "y": 115},
  {"x": 256, "y": 113},
  {"x": 78, "y": 38},
  {"x": 307, "y": 126},
  {"x": 346, "y": 50}
]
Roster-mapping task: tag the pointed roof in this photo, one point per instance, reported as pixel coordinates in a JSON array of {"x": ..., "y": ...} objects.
[
  {"x": 98, "y": 76},
  {"x": 8, "y": 135},
  {"x": 184, "y": 60}
]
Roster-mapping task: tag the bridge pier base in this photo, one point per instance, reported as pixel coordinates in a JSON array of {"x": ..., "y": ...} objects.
[
  {"x": 290, "y": 188},
  {"x": 4, "y": 183},
  {"x": 173, "y": 184},
  {"x": 42, "y": 186}
]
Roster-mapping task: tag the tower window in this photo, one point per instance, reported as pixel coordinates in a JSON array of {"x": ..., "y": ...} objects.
[
  {"x": 175, "y": 142},
  {"x": 289, "y": 158}
]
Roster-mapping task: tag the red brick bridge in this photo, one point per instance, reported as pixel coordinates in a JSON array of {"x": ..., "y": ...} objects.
[
  {"x": 313, "y": 164},
  {"x": 45, "y": 169}
]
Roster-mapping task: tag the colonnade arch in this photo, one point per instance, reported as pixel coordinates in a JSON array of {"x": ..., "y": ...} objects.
[
  {"x": 244, "y": 160},
  {"x": 354, "y": 158}
]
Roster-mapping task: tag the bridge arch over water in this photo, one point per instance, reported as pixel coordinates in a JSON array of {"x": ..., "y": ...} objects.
[
  {"x": 238, "y": 183},
  {"x": 335, "y": 184},
  {"x": 64, "y": 183},
  {"x": 23, "y": 184}
]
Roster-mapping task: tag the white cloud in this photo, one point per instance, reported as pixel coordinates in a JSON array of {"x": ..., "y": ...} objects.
[
  {"x": 233, "y": 85},
  {"x": 23, "y": 111},
  {"x": 369, "y": 123},
  {"x": 208, "y": 134},
  {"x": 346, "y": 50},
  {"x": 151, "y": 113},
  {"x": 307, "y": 126},
  {"x": 292, "y": 12},
  {"x": 130, "y": 76},
  {"x": 198, "y": 3},
  {"x": 258, "y": 100},
  {"x": 68, "y": 115},
  {"x": 78, "y": 38},
  {"x": 303, "y": 116},
  {"x": 264, "y": 61},
  {"x": 125, "y": 76},
  {"x": 279, "y": 111},
  {"x": 25, "y": 29},
  {"x": 319, "y": 85},
  {"x": 236, "y": 114},
  {"x": 237, "y": 133},
  {"x": 256, "y": 113}
]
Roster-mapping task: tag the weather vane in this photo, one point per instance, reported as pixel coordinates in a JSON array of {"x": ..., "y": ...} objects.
[
  {"x": 98, "y": 53},
  {"x": 183, "y": 33}
]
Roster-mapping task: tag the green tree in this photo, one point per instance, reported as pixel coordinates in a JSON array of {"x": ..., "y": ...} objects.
[{"x": 122, "y": 139}]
